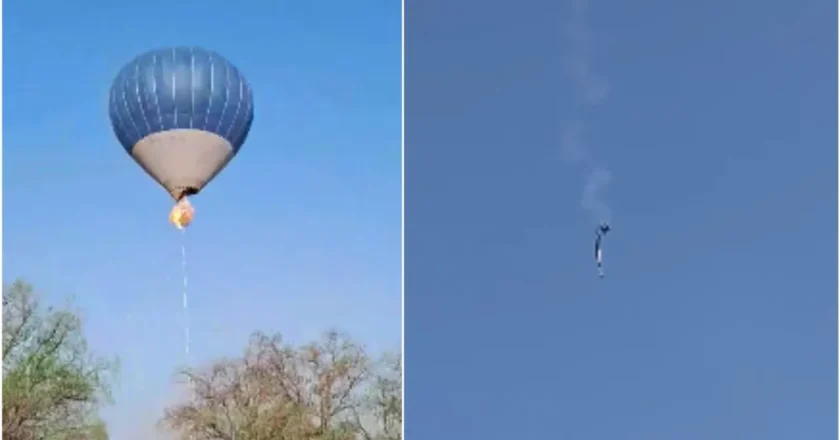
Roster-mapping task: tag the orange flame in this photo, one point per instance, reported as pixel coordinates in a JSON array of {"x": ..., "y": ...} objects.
[{"x": 182, "y": 214}]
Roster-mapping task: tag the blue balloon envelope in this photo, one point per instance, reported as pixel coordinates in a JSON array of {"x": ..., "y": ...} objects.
[{"x": 182, "y": 113}]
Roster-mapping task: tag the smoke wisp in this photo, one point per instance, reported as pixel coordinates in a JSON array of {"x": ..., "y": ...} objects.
[{"x": 592, "y": 89}]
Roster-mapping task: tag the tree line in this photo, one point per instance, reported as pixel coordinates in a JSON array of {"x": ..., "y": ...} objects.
[{"x": 328, "y": 389}]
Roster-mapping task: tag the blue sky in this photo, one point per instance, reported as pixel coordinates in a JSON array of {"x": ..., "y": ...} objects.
[
  {"x": 718, "y": 315},
  {"x": 299, "y": 234}
]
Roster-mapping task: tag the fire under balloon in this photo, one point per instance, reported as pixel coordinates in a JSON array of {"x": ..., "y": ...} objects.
[{"x": 182, "y": 214}]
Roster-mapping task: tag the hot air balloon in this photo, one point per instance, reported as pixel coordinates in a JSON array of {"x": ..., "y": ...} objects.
[{"x": 182, "y": 113}]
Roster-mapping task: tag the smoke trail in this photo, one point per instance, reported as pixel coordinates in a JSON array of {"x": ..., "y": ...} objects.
[
  {"x": 597, "y": 180},
  {"x": 184, "y": 294},
  {"x": 593, "y": 89}
]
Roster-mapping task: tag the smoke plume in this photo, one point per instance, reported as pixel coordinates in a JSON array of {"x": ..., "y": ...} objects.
[{"x": 592, "y": 89}]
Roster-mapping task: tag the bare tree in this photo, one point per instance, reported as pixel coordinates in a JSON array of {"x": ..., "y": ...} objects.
[
  {"x": 384, "y": 400},
  {"x": 52, "y": 385},
  {"x": 327, "y": 390}
]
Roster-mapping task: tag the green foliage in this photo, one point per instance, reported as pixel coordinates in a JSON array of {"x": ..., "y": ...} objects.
[{"x": 52, "y": 385}]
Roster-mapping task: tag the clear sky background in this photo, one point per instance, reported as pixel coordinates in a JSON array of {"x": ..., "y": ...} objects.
[
  {"x": 299, "y": 234},
  {"x": 717, "y": 318}
]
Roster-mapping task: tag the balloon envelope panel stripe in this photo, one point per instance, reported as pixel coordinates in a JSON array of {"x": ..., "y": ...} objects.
[{"x": 180, "y": 88}]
